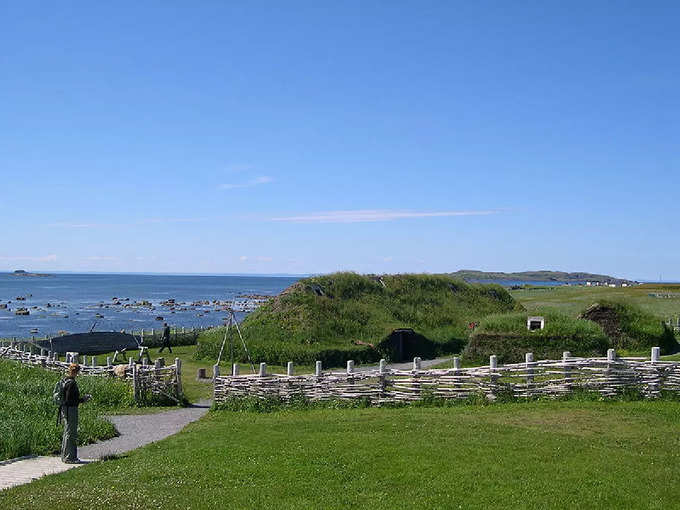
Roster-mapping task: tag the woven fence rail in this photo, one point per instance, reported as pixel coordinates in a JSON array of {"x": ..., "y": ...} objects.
[
  {"x": 147, "y": 379},
  {"x": 608, "y": 376}
]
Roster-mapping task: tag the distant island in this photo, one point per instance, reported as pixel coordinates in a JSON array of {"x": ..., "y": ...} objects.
[
  {"x": 21, "y": 272},
  {"x": 540, "y": 276}
]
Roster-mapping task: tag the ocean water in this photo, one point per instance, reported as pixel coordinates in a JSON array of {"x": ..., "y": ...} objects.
[{"x": 75, "y": 299}]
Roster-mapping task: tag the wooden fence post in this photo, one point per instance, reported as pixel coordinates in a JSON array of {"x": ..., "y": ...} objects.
[
  {"x": 157, "y": 369},
  {"x": 493, "y": 365},
  {"x": 318, "y": 369},
  {"x": 135, "y": 388},
  {"x": 417, "y": 363},
  {"x": 567, "y": 370},
  {"x": 216, "y": 372},
  {"x": 289, "y": 368},
  {"x": 178, "y": 370},
  {"x": 108, "y": 361},
  {"x": 235, "y": 369},
  {"x": 263, "y": 369},
  {"x": 655, "y": 384},
  {"x": 611, "y": 359},
  {"x": 382, "y": 380},
  {"x": 350, "y": 366},
  {"x": 529, "y": 361}
]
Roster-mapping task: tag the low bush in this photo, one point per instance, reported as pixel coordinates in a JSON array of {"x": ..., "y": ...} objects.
[
  {"x": 631, "y": 328},
  {"x": 507, "y": 337}
]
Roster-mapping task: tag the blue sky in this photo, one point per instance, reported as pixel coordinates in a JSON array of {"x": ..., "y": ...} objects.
[{"x": 302, "y": 137}]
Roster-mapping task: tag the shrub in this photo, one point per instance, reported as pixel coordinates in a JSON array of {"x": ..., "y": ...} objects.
[
  {"x": 631, "y": 328},
  {"x": 507, "y": 336}
]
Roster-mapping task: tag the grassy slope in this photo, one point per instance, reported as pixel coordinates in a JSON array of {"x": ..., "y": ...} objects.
[
  {"x": 532, "y": 455},
  {"x": 573, "y": 300},
  {"x": 28, "y": 415},
  {"x": 303, "y": 326}
]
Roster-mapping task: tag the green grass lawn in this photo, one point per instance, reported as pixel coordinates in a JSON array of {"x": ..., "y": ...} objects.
[
  {"x": 28, "y": 414},
  {"x": 516, "y": 455},
  {"x": 573, "y": 300}
]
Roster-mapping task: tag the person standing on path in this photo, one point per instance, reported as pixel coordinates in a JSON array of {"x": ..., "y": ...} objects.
[
  {"x": 166, "y": 338},
  {"x": 71, "y": 399}
]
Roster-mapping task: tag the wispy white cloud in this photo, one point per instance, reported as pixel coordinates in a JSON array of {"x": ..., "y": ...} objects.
[
  {"x": 264, "y": 179},
  {"x": 144, "y": 221},
  {"x": 245, "y": 258},
  {"x": 372, "y": 215},
  {"x": 235, "y": 169},
  {"x": 80, "y": 225},
  {"x": 20, "y": 258},
  {"x": 97, "y": 258},
  {"x": 171, "y": 220}
]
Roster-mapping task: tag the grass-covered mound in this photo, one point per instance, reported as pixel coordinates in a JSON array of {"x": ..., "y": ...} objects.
[
  {"x": 630, "y": 328},
  {"x": 506, "y": 335},
  {"x": 28, "y": 415},
  {"x": 344, "y": 316}
]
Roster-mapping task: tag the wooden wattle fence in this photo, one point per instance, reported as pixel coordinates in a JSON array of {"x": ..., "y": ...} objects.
[
  {"x": 147, "y": 380},
  {"x": 608, "y": 376}
]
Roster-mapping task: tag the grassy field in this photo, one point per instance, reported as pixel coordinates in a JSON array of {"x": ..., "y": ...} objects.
[
  {"x": 516, "y": 455},
  {"x": 573, "y": 300},
  {"x": 28, "y": 415}
]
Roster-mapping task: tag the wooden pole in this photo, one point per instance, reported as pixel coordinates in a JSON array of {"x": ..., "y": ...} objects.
[
  {"x": 178, "y": 370},
  {"x": 135, "y": 389}
]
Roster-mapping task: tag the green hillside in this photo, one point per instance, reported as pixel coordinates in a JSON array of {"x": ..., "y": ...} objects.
[{"x": 349, "y": 316}]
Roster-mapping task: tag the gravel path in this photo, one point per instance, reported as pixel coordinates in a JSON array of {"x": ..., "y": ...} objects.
[
  {"x": 141, "y": 429},
  {"x": 135, "y": 431}
]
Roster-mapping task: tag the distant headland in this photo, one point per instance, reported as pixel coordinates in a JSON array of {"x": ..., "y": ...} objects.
[
  {"x": 21, "y": 272},
  {"x": 541, "y": 276}
]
